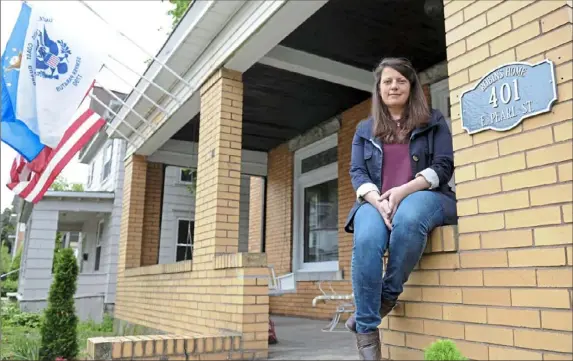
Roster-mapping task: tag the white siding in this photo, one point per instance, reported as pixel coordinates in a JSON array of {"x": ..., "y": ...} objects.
[
  {"x": 113, "y": 183},
  {"x": 39, "y": 251},
  {"x": 108, "y": 184},
  {"x": 178, "y": 203}
]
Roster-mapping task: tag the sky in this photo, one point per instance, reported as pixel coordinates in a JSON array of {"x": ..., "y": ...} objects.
[{"x": 146, "y": 23}]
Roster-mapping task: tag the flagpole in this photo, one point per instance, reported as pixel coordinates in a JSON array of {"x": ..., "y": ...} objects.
[
  {"x": 134, "y": 43},
  {"x": 146, "y": 79},
  {"x": 129, "y": 107},
  {"x": 114, "y": 113},
  {"x": 137, "y": 90}
]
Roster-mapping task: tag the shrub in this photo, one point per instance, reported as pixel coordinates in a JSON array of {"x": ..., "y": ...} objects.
[
  {"x": 9, "y": 286},
  {"x": 59, "y": 329},
  {"x": 443, "y": 350},
  {"x": 13, "y": 317}
]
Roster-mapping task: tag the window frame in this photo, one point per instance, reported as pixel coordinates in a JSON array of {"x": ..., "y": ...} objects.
[
  {"x": 193, "y": 175},
  {"x": 91, "y": 172},
  {"x": 104, "y": 177},
  {"x": 99, "y": 235},
  {"x": 300, "y": 183},
  {"x": 177, "y": 244}
]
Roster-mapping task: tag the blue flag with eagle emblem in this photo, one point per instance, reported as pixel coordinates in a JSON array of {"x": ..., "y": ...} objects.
[{"x": 48, "y": 66}]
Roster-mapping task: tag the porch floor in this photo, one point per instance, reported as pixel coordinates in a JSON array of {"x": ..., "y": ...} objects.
[{"x": 303, "y": 339}]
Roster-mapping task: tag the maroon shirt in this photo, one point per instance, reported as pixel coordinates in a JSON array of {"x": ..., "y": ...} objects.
[{"x": 396, "y": 167}]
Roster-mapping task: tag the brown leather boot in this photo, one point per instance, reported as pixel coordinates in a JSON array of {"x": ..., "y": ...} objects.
[
  {"x": 369, "y": 346},
  {"x": 387, "y": 306}
]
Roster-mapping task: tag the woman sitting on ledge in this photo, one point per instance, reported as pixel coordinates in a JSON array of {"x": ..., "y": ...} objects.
[{"x": 402, "y": 161}]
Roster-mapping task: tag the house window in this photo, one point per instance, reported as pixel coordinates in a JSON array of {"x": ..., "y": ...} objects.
[
  {"x": 90, "y": 174},
  {"x": 106, "y": 166},
  {"x": 99, "y": 236},
  {"x": 187, "y": 175},
  {"x": 316, "y": 207},
  {"x": 184, "y": 247},
  {"x": 114, "y": 105}
]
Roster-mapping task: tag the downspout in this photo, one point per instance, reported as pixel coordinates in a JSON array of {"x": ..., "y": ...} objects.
[
  {"x": 161, "y": 210},
  {"x": 264, "y": 216}
]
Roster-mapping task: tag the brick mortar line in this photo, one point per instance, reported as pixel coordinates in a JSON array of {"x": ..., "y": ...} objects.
[
  {"x": 504, "y": 192},
  {"x": 513, "y": 28},
  {"x": 469, "y": 323},
  {"x": 481, "y": 343},
  {"x": 524, "y": 131},
  {"x": 531, "y": 246},
  {"x": 517, "y": 308}
]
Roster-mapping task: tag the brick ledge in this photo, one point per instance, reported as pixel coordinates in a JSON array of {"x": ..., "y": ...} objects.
[
  {"x": 164, "y": 347},
  {"x": 240, "y": 260},
  {"x": 179, "y": 267}
]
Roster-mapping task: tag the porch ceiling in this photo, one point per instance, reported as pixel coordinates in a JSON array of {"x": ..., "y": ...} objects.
[
  {"x": 279, "y": 105},
  {"x": 323, "y": 67},
  {"x": 361, "y": 32}
]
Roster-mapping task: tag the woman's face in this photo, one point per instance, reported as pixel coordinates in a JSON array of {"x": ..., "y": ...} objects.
[{"x": 394, "y": 88}]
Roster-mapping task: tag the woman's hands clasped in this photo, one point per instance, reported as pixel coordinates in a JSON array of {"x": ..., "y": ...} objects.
[{"x": 388, "y": 203}]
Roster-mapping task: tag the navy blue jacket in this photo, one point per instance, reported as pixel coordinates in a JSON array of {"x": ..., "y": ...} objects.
[{"x": 431, "y": 154}]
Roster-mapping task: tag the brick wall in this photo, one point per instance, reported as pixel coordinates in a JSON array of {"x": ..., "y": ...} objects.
[
  {"x": 507, "y": 293},
  {"x": 255, "y": 214},
  {"x": 151, "y": 214}
]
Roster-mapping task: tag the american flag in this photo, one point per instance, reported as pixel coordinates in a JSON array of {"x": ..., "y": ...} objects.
[
  {"x": 53, "y": 61},
  {"x": 31, "y": 180}
]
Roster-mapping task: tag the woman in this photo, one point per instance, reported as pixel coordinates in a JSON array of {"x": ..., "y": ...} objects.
[{"x": 402, "y": 161}]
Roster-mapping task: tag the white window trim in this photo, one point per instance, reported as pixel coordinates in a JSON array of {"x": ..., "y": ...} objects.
[
  {"x": 300, "y": 182},
  {"x": 103, "y": 162},
  {"x": 177, "y": 219},
  {"x": 100, "y": 226},
  {"x": 90, "y": 174}
]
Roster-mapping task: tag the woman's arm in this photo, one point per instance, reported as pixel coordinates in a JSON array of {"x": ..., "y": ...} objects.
[
  {"x": 441, "y": 169},
  {"x": 361, "y": 182}
]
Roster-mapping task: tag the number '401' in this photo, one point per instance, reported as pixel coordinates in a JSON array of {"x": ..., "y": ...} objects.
[{"x": 505, "y": 93}]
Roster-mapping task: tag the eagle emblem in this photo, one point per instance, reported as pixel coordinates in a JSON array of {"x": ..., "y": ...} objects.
[
  {"x": 15, "y": 62},
  {"x": 51, "y": 56}
]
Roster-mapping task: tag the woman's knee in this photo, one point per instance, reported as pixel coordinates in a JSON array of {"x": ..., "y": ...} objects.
[
  {"x": 421, "y": 210},
  {"x": 370, "y": 231}
]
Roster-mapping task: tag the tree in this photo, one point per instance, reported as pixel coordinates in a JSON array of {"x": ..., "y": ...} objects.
[
  {"x": 7, "y": 228},
  {"x": 61, "y": 184},
  {"x": 181, "y": 7},
  {"x": 59, "y": 327}
]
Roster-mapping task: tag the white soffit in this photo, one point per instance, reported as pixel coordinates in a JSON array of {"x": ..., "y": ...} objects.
[{"x": 318, "y": 67}]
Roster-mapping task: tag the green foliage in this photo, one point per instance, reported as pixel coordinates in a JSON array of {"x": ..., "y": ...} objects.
[
  {"x": 19, "y": 343},
  {"x": 179, "y": 10},
  {"x": 9, "y": 286},
  {"x": 12, "y": 316},
  {"x": 444, "y": 350},
  {"x": 5, "y": 260},
  {"x": 192, "y": 186},
  {"x": 61, "y": 184},
  {"x": 7, "y": 227},
  {"x": 26, "y": 346},
  {"x": 59, "y": 329},
  {"x": 16, "y": 265}
]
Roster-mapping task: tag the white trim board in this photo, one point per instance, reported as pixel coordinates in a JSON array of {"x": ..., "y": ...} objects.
[
  {"x": 300, "y": 182},
  {"x": 184, "y": 154}
]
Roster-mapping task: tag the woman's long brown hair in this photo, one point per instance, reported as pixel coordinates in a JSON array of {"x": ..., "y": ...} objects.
[{"x": 416, "y": 112}]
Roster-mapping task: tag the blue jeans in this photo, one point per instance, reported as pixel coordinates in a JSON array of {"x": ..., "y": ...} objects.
[{"x": 417, "y": 215}]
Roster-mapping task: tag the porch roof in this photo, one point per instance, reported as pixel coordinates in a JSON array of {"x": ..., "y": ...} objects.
[
  {"x": 303, "y": 63},
  {"x": 71, "y": 202}
]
